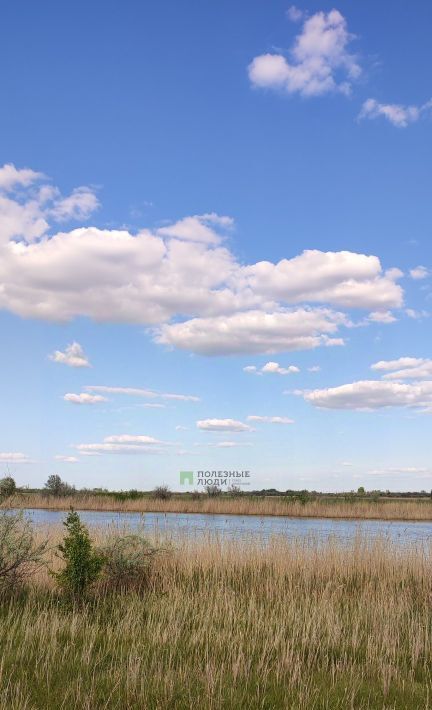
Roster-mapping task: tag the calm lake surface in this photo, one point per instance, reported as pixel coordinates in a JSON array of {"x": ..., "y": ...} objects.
[{"x": 245, "y": 527}]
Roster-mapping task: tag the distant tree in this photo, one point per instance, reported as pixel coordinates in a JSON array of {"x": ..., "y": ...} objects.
[
  {"x": 8, "y": 488},
  {"x": 162, "y": 493},
  {"x": 213, "y": 491},
  {"x": 235, "y": 491},
  {"x": 361, "y": 491},
  {"x": 56, "y": 487}
]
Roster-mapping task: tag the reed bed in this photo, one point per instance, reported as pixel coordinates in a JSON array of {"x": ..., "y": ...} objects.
[
  {"x": 232, "y": 625},
  {"x": 419, "y": 509}
]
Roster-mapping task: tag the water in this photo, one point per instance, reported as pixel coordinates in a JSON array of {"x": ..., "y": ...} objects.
[{"x": 255, "y": 527}]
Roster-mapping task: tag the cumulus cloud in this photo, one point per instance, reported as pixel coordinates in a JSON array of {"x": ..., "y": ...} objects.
[
  {"x": 405, "y": 368},
  {"x": 84, "y": 398},
  {"x": 405, "y": 382},
  {"x": 397, "y": 114},
  {"x": 419, "y": 273},
  {"x": 12, "y": 177},
  {"x": 269, "y": 420},
  {"x": 13, "y": 457},
  {"x": 382, "y": 317},
  {"x": 178, "y": 279},
  {"x": 271, "y": 367},
  {"x": 73, "y": 356},
  {"x": 255, "y": 332},
  {"x": 66, "y": 459},
  {"x": 222, "y": 425},
  {"x": 198, "y": 228},
  {"x": 319, "y": 61},
  {"x": 372, "y": 394}
]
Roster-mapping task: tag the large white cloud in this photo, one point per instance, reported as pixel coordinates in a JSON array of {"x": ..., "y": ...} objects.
[
  {"x": 319, "y": 60},
  {"x": 180, "y": 278},
  {"x": 255, "y": 332}
]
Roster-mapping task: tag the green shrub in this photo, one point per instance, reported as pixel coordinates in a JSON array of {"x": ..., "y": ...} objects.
[
  {"x": 20, "y": 555},
  {"x": 8, "y": 488},
  {"x": 127, "y": 562},
  {"x": 82, "y": 563}
]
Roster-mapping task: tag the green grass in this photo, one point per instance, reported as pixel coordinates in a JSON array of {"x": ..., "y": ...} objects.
[{"x": 232, "y": 627}]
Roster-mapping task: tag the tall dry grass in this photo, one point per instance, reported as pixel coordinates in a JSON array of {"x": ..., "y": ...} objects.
[
  {"x": 285, "y": 625},
  {"x": 418, "y": 509}
]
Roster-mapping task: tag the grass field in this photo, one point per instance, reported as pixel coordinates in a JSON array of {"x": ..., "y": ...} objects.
[
  {"x": 286, "y": 625},
  {"x": 384, "y": 509}
]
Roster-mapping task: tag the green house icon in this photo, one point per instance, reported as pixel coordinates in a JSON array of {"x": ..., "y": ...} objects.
[{"x": 186, "y": 477}]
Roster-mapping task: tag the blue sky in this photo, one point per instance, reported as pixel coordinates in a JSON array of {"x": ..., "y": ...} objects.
[{"x": 191, "y": 189}]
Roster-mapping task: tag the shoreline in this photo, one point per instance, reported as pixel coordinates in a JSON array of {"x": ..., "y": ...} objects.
[{"x": 324, "y": 514}]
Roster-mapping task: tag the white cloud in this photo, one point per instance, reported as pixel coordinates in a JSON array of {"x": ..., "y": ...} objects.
[
  {"x": 382, "y": 317},
  {"x": 13, "y": 457},
  {"x": 122, "y": 444},
  {"x": 271, "y": 367},
  {"x": 420, "y": 272},
  {"x": 11, "y": 177},
  {"x": 131, "y": 439},
  {"x": 106, "y": 448},
  {"x": 80, "y": 204},
  {"x": 399, "y": 115},
  {"x": 180, "y": 427},
  {"x": 140, "y": 392},
  {"x": 223, "y": 444},
  {"x": 416, "y": 315},
  {"x": 269, "y": 420},
  {"x": 66, "y": 459},
  {"x": 405, "y": 368},
  {"x": 73, "y": 356},
  {"x": 255, "y": 332},
  {"x": 177, "y": 278},
  {"x": 295, "y": 14},
  {"x": 84, "y": 398},
  {"x": 319, "y": 60},
  {"x": 197, "y": 228},
  {"x": 222, "y": 425},
  {"x": 275, "y": 368},
  {"x": 340, "y": 278},
  {"x": 372, "y": 394},
  {"x": 314, "y": 368}
]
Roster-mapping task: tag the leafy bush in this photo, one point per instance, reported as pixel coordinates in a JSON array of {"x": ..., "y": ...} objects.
[
  {"x": 56, "y": 487},
  {"x": 20, "y": 555},
  {"x": 127, "y": 562},
  {"x": 213, "y": 491},
  {"x": 82, "y": 563},
  {"x": 8, "y": 488},
  {"x": 162, "y": 493}
]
